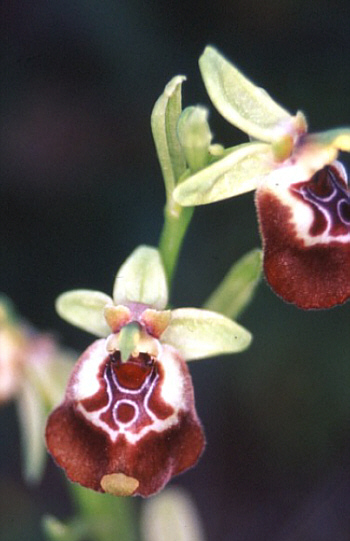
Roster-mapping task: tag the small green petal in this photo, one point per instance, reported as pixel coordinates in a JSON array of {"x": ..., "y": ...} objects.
[
  {"x": 195, "y": 136},
  {"x": 197, "y": 334},
  {"x": 242, "y": 103},
  {"x": 238, "y": 287},
  {"x": 338, "y": 138},
  {"x": 237, "y": 173},
  {"x": 85, "y": 309},
  {"x": 142, "y": 279},
  {"x": 164, "y": 119}
]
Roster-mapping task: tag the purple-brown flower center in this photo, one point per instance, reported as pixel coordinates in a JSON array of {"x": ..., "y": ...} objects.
[
  {"x": 126, "y": 427},
  {"x": 328, "y": 194}
]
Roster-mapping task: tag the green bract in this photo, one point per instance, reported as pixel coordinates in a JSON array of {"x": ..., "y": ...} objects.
[
  {"x": 164, "y": 119},
  {"x": 139, "y": 298},
  {"x": 238, "y": 287}
]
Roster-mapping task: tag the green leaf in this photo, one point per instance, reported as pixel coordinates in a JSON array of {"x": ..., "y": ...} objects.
[
  {"x": 164, "y": 119},
  {"x": 237, "y": 173},
  {"x": 238, "y": 287},
  {"x": 106, "y": 517},
  {"x": 197, "y": 334},
  {"x": 32, "y": 419},
  {"x": 73, "y": 530},
  {"x": 142, "y": 279},
  {"x": 85, "y": 309},
  {"x": 242, "y": 103}
]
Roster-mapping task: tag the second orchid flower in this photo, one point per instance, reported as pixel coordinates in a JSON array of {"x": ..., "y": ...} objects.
[{"x": 302, "y": 194}]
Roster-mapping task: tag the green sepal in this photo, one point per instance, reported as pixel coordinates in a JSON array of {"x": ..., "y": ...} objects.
[
  {"x": 84, "y": 308},
  {"x": 197, "y": 334},
  {"x": 164, "y": 119},
  {"x": 142, "y": 279},
  {"x": 237, "y": 289},
  {"x": 238, "y": 100},
  {"x": 237, "y": 173}
]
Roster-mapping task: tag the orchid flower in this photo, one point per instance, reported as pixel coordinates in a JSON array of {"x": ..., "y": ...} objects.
[
  {"x": 33, "y": 371},
  {"x": 128, "y": 421},
  {"x": 302, "y": 195}
]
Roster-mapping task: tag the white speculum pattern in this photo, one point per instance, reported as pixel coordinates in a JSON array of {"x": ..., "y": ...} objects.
[
  {"x": 134, "y": 399},
  {"x": 324, "y": 194},
  {"x": 327, "y": 193}
]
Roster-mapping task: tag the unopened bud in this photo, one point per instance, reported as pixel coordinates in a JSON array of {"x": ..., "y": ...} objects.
[{"x": 195, "y": 136}]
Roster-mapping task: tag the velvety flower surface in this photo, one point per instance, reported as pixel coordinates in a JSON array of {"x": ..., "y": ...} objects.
[
  {"x": 305, "y": 227},
  {"x": 302, "y": 194},
  {"x": 135, "y": 421},
  {"x": 128, "y": 422}
]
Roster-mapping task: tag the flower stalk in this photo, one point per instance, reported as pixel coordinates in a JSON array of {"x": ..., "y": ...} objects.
[{"x": 176, "y": 222}]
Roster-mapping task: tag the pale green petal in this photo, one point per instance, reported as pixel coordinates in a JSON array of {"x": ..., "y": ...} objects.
[
  {"x": 85, "y": 309},
  {"x": 195, "y": 136},
  {"x": 237, "y": 173},
  {"x": 197, "y": 334},
  {"x": 171, "y": 516},
  {"x": 164, "y": 119},
  {"x": 238, "y": 287},
  {"x": 241, "y": 102},
  {"x": 142, "y": 279},
  {"x": 338, "y": 138}
]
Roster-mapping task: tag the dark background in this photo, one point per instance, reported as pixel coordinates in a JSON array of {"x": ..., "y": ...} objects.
[{"x": 81, "y": 187}]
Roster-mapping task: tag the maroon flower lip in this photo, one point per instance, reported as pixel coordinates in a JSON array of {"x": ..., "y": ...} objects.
[
  {"x": 306, "y": 239},
  {"x": 130, "y": 423}
]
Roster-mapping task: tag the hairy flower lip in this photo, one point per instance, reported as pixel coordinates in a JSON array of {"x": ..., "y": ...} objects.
[
  {"x": 294, "y": 256},
  {"x": 128, "y": 421},
  {"x": 88, "y": 439},
  {"x": 306, "y": 238}
]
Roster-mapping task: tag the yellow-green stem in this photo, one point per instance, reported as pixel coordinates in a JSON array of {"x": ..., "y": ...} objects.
[{"x": 176, "y": 222}]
